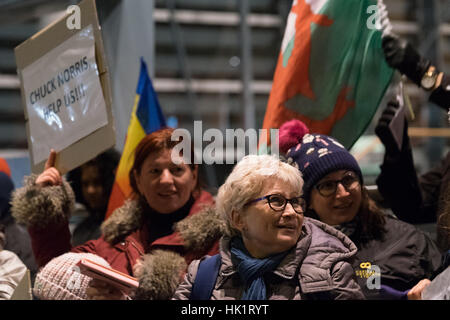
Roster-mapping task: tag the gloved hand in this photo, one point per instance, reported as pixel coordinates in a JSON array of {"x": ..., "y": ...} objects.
[
  {"x": 389, "y": 293},
  {"x": 402, "y": 56},
  {"x": 383, "y": 131}
]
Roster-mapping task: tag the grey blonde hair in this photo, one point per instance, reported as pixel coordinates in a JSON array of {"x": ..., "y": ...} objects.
[{"x": 246, "y": 182}]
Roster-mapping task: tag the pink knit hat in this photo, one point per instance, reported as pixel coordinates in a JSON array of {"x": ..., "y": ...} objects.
[
  {"x": 60, "y": 279},
  {"x": 291, "y": 133}
]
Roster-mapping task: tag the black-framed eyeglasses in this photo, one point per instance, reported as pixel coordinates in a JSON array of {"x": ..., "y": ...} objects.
[
  {"x": 350, "y": 182},
  {"x": 278, "y": 203}
]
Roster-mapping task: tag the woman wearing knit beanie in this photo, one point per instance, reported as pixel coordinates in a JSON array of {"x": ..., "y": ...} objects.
[
  {"x": 270, "y": 251},
  {"x": 60, "y": 279},
  {"x": 335, "y": 194}
]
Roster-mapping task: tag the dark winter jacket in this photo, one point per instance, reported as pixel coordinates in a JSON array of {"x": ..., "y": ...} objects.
[
  {"x": 405, "y": 255},
  {"x": 418, "y": 200},
  {"x": 124, "y": 237},
  {"x": 318, "y": 266}
]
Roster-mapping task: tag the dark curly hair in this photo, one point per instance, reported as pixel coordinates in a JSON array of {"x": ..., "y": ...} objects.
[{"x": 106, "y": 163}]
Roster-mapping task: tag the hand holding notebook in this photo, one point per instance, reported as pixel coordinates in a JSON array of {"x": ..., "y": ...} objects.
[{"x": 120, "y": 280}]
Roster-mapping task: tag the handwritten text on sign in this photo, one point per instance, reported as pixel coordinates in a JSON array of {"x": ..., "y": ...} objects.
[{"x": 63, "y": 94}]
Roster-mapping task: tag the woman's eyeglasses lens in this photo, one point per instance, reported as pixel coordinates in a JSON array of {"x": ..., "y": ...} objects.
[
  {"x": 278, "y": 203},
  {"x": 327, "y": 188}
]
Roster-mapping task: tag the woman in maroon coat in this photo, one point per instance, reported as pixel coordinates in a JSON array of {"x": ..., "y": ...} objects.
[{"x": 168, "y": 222}]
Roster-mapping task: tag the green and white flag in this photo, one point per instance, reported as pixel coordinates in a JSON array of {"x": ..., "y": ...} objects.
[{"x": 331, "y": 71}]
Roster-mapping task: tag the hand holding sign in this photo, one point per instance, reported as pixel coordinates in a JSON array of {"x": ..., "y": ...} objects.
[
  {"x": 63, "y": 91},
  {"x": 50, "y": 176}
]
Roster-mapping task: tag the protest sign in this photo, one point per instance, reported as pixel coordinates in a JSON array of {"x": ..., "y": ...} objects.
[{"x": 66, "y": 92}]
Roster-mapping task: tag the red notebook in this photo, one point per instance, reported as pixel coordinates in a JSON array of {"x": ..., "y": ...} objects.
[{"x": 116, "y": 278}]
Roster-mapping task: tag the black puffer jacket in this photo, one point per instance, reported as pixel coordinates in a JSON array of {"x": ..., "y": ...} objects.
[
  {"x": 415, "y": 199},
  {"x": 404, "y": 254}
]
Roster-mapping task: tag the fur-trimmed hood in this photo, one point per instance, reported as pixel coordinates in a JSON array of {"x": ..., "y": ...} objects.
[
  {"x": 36, "y": 206},
  {"x": 160, "y": 271},
  {"x": 198, "y": 230},
  {"x": 123, "y": 221}
]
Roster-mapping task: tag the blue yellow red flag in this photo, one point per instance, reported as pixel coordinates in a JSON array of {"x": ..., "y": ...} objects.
[{"x": 146, "y": 117}]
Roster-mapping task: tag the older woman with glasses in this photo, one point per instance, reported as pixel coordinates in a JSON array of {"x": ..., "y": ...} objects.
[
  {"x": 270, "y": 250},
  {"x": 391, "y": 254}
]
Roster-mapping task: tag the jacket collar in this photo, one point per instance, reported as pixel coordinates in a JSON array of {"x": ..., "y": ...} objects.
[
  {"x": 201, "y": 225},
  {"x": 287, "y": 267}
]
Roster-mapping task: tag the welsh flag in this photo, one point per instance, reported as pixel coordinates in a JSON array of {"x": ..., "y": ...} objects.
[{"x": 331, "y": 71}]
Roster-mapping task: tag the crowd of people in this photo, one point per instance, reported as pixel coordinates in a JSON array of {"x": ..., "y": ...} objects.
[{"x": 299, "y": 226}]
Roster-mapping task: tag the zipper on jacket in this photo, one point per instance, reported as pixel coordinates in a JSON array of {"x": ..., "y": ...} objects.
[{"x": 140, "y": 252}]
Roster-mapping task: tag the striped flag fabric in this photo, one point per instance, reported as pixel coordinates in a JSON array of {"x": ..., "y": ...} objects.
[
  {"x": 146, "y": 117},
  {"x": 331, "y": 72}
]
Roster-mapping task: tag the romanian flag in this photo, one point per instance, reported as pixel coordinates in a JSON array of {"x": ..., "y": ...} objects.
[
  {"x": 146, "y": 117},
  {"x": 331, "y": 72}
]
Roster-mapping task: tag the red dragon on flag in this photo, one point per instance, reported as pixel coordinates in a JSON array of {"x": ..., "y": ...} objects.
[{"x": 331, "y": 73}]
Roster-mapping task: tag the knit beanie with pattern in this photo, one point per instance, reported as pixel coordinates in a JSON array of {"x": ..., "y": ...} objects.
[
  {"x": 318, "y": 155},
  {"x": 60, "y": 279}
]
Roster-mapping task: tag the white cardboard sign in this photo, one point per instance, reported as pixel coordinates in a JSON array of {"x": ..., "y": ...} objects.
[{"x": 63, "y": 95}]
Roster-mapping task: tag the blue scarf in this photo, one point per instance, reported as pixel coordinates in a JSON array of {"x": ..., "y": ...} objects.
[{"x": 251, "y": 270}]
